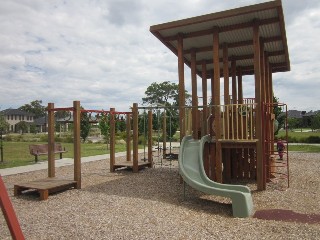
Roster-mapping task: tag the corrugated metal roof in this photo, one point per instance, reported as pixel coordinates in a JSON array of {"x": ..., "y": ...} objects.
[{"x": 235, "y": 29}]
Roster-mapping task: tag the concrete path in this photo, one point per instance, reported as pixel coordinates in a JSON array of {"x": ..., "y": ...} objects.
[{"x": 58, "y": 163}]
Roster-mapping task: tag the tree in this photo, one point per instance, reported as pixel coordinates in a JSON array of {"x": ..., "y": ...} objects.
[
  {"x": 104, "y": 125},
  {"x": 315, "y": 122},
  {"x": 4, "y": 126},
  {"x": 165, "y": 94},
  {"x": 279, "y": 115},
  {"x": 293, "y": 123},
  {"x": 22, "y": 127},
  {"x": 34, "y": 107},
  {"x": 85, "y": 126}
]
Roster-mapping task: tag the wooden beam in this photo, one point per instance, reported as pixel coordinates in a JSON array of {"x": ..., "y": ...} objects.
[
  {"x": 76, "y": 143},
  {"x": 216, "y": 102},
  {"x": 194, "y": 95},
  {"x": 135, "y": 115},
  {"x": 204, "y": 97},
  {"x": 257, "y": 77},
  {"x": 112, "y": 140},
  {"x": 51, "y": 162},
  {"x": 240, "y": 89},
  {"x": 181, "y": 86},
  {"x": 226, "y": 73},
  {"x": 128, "y": 137}
]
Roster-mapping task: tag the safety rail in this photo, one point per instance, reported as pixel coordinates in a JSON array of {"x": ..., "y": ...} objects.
[{"x": 238, "y": 121}]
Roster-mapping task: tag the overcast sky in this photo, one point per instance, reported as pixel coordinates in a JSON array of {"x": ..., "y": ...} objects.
[{"x": 102, "y": 53}]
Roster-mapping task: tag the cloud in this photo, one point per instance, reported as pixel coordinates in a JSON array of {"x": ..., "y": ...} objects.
[{"x": 102, "y": 53}]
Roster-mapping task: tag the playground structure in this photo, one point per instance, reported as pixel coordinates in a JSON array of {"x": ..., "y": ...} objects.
[
  {"x": 232, "y": 44},
  {"x": 53, "y": 184}
]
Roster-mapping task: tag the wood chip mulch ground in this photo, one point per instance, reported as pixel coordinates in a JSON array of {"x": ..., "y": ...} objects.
[{"x": 151, "y": 205}]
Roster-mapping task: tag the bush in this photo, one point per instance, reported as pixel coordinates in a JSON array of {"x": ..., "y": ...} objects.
[
  {"x": 312, "y": 139},
  {"x": 142, "y": 140}
]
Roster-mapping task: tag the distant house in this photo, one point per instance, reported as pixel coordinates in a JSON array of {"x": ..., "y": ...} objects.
[
  {"x": 41, "y": 124},
  {"x": 14, "y": 116}
]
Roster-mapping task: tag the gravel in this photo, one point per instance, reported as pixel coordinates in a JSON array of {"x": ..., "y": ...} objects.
[{"x": 151, "y": 205}]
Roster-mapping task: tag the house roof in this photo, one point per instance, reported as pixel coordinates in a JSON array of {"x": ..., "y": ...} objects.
[
  {"x": 11, "y": 111},
  {"x": 236, "y": 30}
]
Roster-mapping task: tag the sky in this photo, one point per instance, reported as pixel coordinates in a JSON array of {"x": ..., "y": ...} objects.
[{"x": 102, "y": 53}]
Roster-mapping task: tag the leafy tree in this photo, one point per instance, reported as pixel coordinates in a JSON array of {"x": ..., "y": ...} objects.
[
  {"x": 293, "y": 123},
  {"x": 104, "y": 125},
  {"x": 85, "y": 126},
  {"x": 279, "y": 115},
  {"x": 164, "y": 94},
  {"x": 120, "y": 123},
  {"x": 4, "y": 126},
  {"x": 315, "y": 122},
  {"x": 22, "y": 127},
  {"x": 34, "y": 107}
]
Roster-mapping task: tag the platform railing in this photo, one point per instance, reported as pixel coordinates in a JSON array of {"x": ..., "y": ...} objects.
[{"x": 238, "y": 121}]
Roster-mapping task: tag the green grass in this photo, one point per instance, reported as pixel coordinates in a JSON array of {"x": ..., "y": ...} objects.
[
  {"x": 17, "y": 153},
  {"x": 304, "y": 148}
]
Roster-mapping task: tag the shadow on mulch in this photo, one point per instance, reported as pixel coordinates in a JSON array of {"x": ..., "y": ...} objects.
[{"x": 287, "y": 216}]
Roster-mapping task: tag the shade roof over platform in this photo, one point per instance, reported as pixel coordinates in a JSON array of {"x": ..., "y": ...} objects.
[{"x": 236, "y": 30}]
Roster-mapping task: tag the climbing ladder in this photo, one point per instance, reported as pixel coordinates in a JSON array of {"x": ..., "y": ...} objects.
[{"x": 276, "y": 170}]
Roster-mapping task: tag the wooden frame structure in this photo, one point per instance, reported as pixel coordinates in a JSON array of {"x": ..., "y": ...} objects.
[
  {"x": 52, "y": 183},
  {"x": 249, "y": 40},
  {"x": 133, "y": 162}
]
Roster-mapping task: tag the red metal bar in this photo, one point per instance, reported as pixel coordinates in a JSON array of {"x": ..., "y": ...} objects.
[{"x": 9, "y": 214}]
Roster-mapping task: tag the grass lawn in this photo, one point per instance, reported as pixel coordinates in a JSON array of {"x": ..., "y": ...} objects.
[
  {"x": 296, "y": 136},
  {"x": 17, "y": 153}
]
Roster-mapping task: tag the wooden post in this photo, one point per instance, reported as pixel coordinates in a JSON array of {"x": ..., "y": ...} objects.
[
  {"x": 194, "y": 95},
  {"x": 204, "y": 97},
  {"x": 135, "y": 115},
  {"x": 258, "y": 133},
  {"x": 234, "y": 81},
  {"x": 234, "y": 99},
  {"x": 216, "y": 102},
  {"x": 181, "y": 87},
  {"x": 76, "y": 143},
  {"x": 51, "y": 162},
  {"x": 226, "y": 73},
  {"x": 164, "y": 132},
  {"x": 227, "y": 158},
  {"x": 240, "y": 91},
  {"x": 112, "y": 140},
  {"x": 128, "y": 130},
  {"x": 150, "y": 138}
]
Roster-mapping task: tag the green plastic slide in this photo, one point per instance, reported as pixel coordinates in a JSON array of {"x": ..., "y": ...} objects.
[{"x": 192, "y": 171}]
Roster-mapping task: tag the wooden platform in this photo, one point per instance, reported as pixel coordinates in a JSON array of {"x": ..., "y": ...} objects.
[
  {"x": 238, "y": 143},
  {"x": 129, "y": 164},
  {"x": 45, "y": 186}
]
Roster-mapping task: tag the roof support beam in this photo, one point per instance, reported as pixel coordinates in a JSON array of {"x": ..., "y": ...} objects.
[
  {"x": 216, "y": 102},
  {"x": 204, "y": 97},
  {"x": 181, "y": 86},
  {"x": 226, "y": 73},
  {"x": 258, "y": 134},
  {"x": 194, "y": 95}
]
